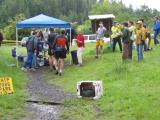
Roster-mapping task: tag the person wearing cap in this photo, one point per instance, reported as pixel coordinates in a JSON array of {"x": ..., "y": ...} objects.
[
  {"x": 80, "y": 45},
  {"x": 140, "y": 39},
  {"x": 100, "y": 39},
  {"x": 61, "y": 47},
  {"x": 116, "y": 36},
  {"x": 156, "y": 29}
]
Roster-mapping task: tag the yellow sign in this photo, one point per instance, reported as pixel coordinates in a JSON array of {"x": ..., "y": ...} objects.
[{"x": 6, "y": 86}]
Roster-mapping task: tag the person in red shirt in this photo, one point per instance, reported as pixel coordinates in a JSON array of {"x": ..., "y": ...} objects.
[{"x": 80, "y": 45}]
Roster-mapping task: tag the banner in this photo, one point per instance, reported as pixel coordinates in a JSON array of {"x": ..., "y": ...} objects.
[{"x": 6, "y": 86}]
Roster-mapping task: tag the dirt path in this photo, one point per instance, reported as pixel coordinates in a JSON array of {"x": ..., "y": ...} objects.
[{"x": 40, "y": 92}]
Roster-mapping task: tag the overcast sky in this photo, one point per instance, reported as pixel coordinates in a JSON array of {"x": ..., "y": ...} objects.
[{"x": 137, "y": 3}]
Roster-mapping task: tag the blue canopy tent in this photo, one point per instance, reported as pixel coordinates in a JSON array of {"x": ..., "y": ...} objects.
[{"x": 41, "y": 21}]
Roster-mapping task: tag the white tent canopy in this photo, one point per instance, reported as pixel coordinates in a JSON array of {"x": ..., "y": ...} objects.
[{"x": 97, "y": 17}]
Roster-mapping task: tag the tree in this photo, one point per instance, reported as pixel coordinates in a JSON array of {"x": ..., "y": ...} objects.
[
  {"x": 124, "y": 13},
  {"x": 56, "y": 8},
  {"x": 10, "y": 29}
]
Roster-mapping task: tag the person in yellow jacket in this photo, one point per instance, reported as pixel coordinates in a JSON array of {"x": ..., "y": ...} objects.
[
  {"x": 140, "y": 39},
  {"x": 116, "y": 36},
  {"x": 148, "y": 36}
]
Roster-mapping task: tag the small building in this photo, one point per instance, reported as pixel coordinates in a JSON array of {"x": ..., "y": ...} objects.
[{"x": 107, "y": 20}]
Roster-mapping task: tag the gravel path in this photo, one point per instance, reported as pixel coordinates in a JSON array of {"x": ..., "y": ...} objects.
[{"x": 39, "y": 90}]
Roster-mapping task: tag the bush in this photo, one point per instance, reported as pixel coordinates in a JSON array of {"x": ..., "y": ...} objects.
[
  {"x": 86, "y": 27},
  {"x": 10, "y": 29}
]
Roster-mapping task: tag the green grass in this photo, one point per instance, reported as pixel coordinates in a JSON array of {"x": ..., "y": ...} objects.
[
  {"x": 12, "y": 107},
  {"x": 131, "y": 90}
]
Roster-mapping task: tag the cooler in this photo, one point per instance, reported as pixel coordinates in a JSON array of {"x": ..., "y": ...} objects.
[{"x": 74, "y": 57}]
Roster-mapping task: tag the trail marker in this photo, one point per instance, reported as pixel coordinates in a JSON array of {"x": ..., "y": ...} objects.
[{"x": 6, "y": 86}]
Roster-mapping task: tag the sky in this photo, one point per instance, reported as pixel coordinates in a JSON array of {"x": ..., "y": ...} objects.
[{"x": 137, "y": 3}]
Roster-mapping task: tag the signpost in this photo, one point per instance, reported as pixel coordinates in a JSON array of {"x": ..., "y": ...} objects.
[{"x": 6, "y": 86}]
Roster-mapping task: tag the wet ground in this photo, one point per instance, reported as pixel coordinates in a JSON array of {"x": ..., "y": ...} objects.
[
  {"x": 45, "y": 101},
  {"x": 44, "y": 112}
]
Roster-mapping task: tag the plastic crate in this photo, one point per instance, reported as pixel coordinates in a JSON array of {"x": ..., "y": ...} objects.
[{"x": 90, "y": 89}]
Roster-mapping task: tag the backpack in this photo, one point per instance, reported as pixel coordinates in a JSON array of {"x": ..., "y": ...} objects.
[
  {"x": 143, "y": 33},
  {"x": 61, "y": 43},
  {"x": 51, "y": 39},
  {"x": 40, "y": 46},
  {"x": 30, "y": 44}
]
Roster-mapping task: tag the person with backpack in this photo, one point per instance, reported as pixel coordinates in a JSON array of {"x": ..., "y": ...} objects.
[
  {"x": 140, "y": 39},
  {"x": 148, "y": 36},
  {"x": 51, "y": 39},
  {"x": 132, "y": 29},
  {"x": 100, "y": 39},
  {"x": 156, "y": 29},
  {"x": 31, "y": 46},
  {"x": 1, "y": 38},
  {"x": 39, "y": 48},
  {"x": 125, "y": 41},
  {"x": 61, "y": 49},
  {"x": 80, "y": 45}
]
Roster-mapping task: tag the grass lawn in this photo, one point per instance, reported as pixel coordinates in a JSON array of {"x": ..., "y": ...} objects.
[
  {"x": 12, "y": 106},
  {"x": 131, "y": 90}
]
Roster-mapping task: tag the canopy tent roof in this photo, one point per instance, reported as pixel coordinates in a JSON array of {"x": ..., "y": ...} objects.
[
  {"x": 43, "y": 21},
  {"x": 97, "y": 17}
]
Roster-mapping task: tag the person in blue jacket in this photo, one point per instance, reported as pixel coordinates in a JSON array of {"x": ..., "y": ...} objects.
[{"x": 156, "y": 29}]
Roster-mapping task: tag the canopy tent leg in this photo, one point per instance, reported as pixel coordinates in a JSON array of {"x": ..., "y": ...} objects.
[
  {"x": 17, "y": 47},
  {"x": 70, "y": 47},
  {"x": 70, "y": 38}
]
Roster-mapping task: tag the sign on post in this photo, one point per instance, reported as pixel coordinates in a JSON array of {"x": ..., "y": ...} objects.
[{"x": 6, "y": 86}]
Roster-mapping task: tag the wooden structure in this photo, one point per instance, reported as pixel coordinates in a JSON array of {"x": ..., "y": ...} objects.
[{"x": 107, "y": 20}]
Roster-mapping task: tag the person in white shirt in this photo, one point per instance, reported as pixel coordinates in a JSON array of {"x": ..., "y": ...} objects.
[{"x": 100, "y": 39}]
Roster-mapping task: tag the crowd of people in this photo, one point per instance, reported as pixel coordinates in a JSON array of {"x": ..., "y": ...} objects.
[
  {"x": 127, "y": 34},
  {"x": 57, "y": 46}
]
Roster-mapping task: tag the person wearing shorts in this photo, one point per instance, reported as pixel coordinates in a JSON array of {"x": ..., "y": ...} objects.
[
  {"x": 61, "y": 49},
  {"x": 100, "y": 39}
]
